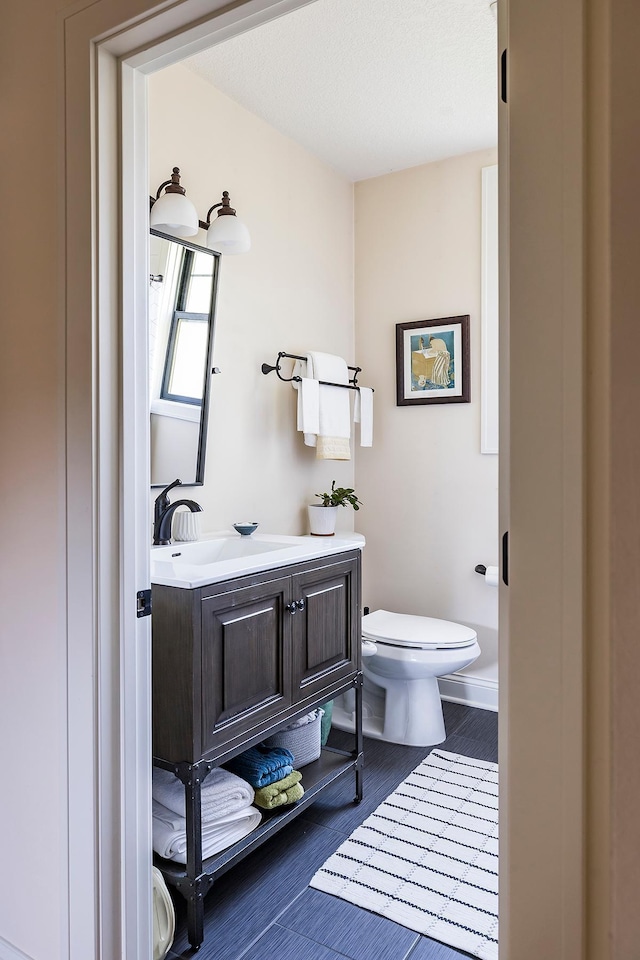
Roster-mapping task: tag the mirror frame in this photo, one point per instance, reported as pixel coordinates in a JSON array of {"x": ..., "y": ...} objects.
[{"x": 209, "y": 369}]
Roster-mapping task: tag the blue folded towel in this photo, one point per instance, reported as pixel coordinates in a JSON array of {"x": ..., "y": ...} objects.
[{"x": 261, "y": 766}]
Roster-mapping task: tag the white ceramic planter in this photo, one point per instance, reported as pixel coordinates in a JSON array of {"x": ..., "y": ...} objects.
[{"x": 322, "y": 520}]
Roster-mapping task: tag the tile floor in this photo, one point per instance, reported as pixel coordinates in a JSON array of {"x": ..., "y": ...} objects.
[{"x": 264, "y": 907}]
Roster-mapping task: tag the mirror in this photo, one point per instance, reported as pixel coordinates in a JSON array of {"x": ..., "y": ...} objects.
[{"x": 183, "y": 283}]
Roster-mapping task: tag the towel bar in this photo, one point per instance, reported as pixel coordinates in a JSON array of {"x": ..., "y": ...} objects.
[{"x": 268, "y": 368}]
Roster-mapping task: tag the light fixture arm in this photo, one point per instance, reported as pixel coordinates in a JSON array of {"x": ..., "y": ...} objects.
[
  {"x": 225, "y": 204},
  {"x": 172, "y": 185}
]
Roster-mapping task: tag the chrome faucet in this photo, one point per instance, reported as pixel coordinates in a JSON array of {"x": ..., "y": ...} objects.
[{"x": 163, "y": 512}]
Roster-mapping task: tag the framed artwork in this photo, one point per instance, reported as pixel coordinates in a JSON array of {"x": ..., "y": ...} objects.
[{"x": 432, "y": 361}]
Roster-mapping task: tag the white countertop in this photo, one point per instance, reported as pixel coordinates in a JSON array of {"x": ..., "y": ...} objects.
[{"x": 226, "y": 555}]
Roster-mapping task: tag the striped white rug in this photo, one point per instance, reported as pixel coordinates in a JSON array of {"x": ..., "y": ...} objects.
[{"x": 428, "y": 856}]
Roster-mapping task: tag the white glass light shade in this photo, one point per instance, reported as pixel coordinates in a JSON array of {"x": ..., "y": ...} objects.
[
  {"x": 228, "y": 235},
  {"x": 174, "y": 213}
]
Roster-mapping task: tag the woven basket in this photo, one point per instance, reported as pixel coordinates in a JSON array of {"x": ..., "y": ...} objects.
[{"x": 303, "y": 741}]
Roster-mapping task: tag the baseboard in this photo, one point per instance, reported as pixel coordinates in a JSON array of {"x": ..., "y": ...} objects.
[
  {"x": 9, "y": 952},
  {"x": 472, "y": 691}
]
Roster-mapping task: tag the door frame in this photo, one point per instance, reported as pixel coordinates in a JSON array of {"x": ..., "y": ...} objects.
[
  {"x": 542, "y": 751},
  {"x": 109, "y": 47}
]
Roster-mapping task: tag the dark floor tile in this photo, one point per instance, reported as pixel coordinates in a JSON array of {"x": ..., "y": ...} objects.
[
  {"x": 480, "y": 725},
  {"x": 250, "y": 896},
  {"x": 264, "y": 888},
  {"x": 427, "y": 949},
  {"x": 454, "y": 715},
  {"x": 279, "y": 942},
  {"x": 385, "y": 766},
  {"x": 352, "y": 931},
  {"x": 470, "y": 748}
]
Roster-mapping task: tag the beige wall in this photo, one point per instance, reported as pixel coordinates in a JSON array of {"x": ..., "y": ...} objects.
[
  {"x": 32, "y": 493},
  {"x": 174, "y": 445},
  {"x": 430, "y": 496},
  {"x": 292, "y": 292}
]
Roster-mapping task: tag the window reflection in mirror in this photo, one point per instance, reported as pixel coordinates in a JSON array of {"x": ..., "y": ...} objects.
[
  {"x": 184, "y": 365},
  {"x": 182, "y": 296}
]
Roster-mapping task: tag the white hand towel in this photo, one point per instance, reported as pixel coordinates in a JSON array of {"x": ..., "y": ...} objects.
[
  {"x": 334, "y": 407},
  {"x": 170, "y": 832},
  {"x": 223, "y": 792},
  {"x": 363, "y": 414},
  {"x": 308, "y": 410}
]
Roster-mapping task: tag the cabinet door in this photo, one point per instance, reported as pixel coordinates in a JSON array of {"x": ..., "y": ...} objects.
[
  {"x": 246, "y": 659},
  {"x": 326, "y": 633}
]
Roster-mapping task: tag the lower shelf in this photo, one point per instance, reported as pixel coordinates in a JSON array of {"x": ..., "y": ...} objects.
[{"x": 315, "y": 777}]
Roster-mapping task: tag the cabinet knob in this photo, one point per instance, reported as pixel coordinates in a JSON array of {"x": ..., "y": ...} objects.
[
  {"x": 301, "y": 604},
  {"x": 292, "y": 607}
]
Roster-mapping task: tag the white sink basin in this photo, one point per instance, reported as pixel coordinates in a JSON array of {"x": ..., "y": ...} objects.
[
  {"x": 223, "y": 556},
  {"x": 212, "y": 551}
]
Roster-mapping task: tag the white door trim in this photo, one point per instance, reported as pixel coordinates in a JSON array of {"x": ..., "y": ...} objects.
[
  {"x": 489, "y": 365},
  {"x": 542, "y": 635}
]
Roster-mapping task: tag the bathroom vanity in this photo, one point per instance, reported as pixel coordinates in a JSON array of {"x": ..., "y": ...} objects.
[{"x": 243, "y": 645}]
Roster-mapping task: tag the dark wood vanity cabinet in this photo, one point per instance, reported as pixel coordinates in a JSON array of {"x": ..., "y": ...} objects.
[
  {"x": 236, "y": 661},
  {"x": 231, "y": 659}
]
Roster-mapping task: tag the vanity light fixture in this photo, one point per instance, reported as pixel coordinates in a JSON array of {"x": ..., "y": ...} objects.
[
  {"x": 172, "y": 212},
  {"x": 227, "y": 234}
]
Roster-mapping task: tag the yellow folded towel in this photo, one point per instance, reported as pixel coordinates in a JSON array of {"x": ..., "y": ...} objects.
[
  {"x": 333, "y": 448},
  {"x": 281, "y": 793}
]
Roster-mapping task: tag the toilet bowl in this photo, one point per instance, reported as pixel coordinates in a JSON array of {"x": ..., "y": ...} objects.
[{"x": 403, "y": 656}]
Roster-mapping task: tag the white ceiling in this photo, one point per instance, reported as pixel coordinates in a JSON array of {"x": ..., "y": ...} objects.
[{"x": 369, "y": 86}]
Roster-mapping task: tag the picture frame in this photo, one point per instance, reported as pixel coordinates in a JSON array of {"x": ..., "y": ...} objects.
[{"x": 433, "y": 361}]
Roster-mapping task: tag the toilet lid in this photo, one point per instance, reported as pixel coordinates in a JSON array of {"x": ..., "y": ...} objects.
[{"x": 404, "y": 630}]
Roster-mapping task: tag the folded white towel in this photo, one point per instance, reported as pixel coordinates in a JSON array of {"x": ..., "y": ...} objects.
[
  {"x": 334, "y": 428},
  {"x": 309, "y": 408},
  {"x": 170, "y": 837},
  {"x": 363, "y": 414},
  {"x": 223, "y": 793}
]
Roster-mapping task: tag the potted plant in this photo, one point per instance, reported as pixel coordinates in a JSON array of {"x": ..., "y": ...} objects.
[{"x": 322, "y": 516}]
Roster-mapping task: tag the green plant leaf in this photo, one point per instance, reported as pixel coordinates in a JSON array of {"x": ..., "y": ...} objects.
[{"x": 340, "y": 497}]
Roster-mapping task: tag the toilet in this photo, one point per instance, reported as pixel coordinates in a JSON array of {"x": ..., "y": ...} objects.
[{"x": 402, "y": 658}]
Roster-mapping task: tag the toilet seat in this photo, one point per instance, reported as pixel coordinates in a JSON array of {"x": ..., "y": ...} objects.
[{"x": 422, "y": 633}]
